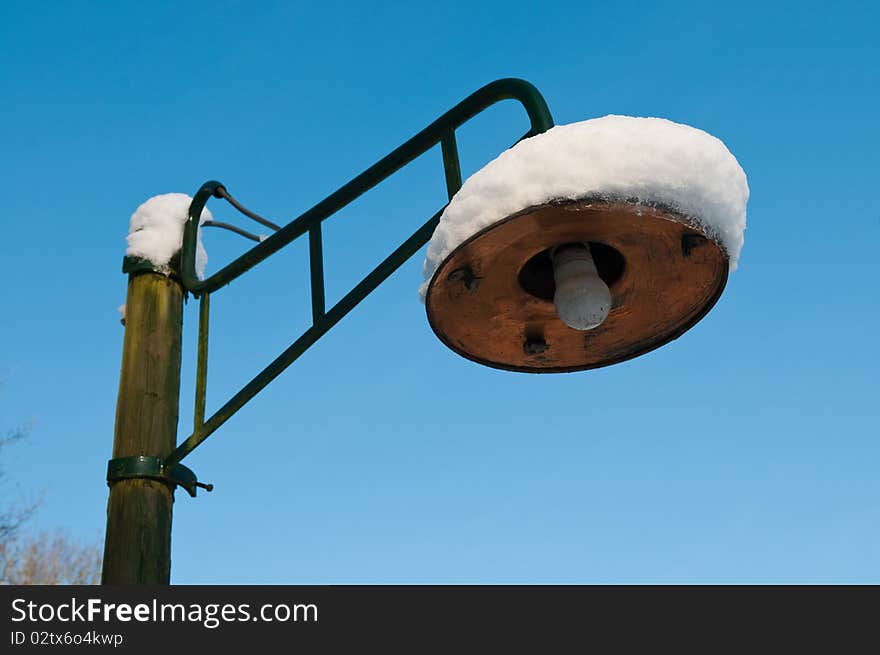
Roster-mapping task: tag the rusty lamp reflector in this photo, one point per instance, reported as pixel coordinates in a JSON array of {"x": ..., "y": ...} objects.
[
  {"x": 586, "y": 245},
  {"x": 575, "y": 285}
]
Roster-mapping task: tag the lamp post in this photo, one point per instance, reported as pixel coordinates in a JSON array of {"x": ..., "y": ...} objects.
[{"x": 559, "y": 286}]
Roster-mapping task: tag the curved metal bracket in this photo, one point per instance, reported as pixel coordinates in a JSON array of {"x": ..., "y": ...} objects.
[{"x": 441, "y": 130}]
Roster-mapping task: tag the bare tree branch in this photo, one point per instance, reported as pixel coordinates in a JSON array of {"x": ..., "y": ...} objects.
[
  {"x": 45, "y": 559},
  {"x": 13, "y": 517},
  {"x": 49, "y": 559}
]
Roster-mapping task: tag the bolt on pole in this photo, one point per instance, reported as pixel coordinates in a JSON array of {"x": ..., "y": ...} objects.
[{"x": 137, "y": 548}]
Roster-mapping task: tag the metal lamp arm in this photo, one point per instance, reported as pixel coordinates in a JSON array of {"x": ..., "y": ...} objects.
[{"x": 440, "y": 131}]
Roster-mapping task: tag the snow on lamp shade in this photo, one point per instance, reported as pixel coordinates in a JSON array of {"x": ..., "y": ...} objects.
[{"x": 586, "y": 245}]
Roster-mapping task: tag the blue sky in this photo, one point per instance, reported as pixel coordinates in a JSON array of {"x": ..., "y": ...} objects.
[{"x": 745, "y": 451}]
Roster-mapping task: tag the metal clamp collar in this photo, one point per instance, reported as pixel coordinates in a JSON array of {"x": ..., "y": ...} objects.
[{"x": 153, "y": 468}]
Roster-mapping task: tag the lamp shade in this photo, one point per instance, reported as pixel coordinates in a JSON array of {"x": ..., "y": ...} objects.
[
  {"x": 660, "y": 207},
  {"x": 491, "y": 300}
]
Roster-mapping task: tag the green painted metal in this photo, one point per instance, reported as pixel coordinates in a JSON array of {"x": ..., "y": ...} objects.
[
  {"x": 316, "y": 269},
  {"x": 524, "y": 92},
  {"x": 202, "y": 362},
  {"x": 232, "y": 228},
  {"x": 441, "y": 131},
  {"x": 133, "y": 265},
  {"x": 451, "y": 165},
  {"x": 154, "y": 468}
]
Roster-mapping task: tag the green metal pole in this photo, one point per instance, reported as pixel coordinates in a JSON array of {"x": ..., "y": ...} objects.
[{"x": 137, "y": 547}]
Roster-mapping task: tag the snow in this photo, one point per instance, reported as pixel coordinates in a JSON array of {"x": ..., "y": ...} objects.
[
  {"x": 646, "y": 160},
  {"x": 156, "y": 231}
]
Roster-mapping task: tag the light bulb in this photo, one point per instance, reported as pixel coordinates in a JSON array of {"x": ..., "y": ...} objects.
[{"x": 582, "y": 299}]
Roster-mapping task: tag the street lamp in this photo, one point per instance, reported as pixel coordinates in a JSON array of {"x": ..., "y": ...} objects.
[{"x": 557, "y": 276}]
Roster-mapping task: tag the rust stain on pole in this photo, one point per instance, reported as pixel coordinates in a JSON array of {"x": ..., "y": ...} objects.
[{"x": 492, "y": 298}]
